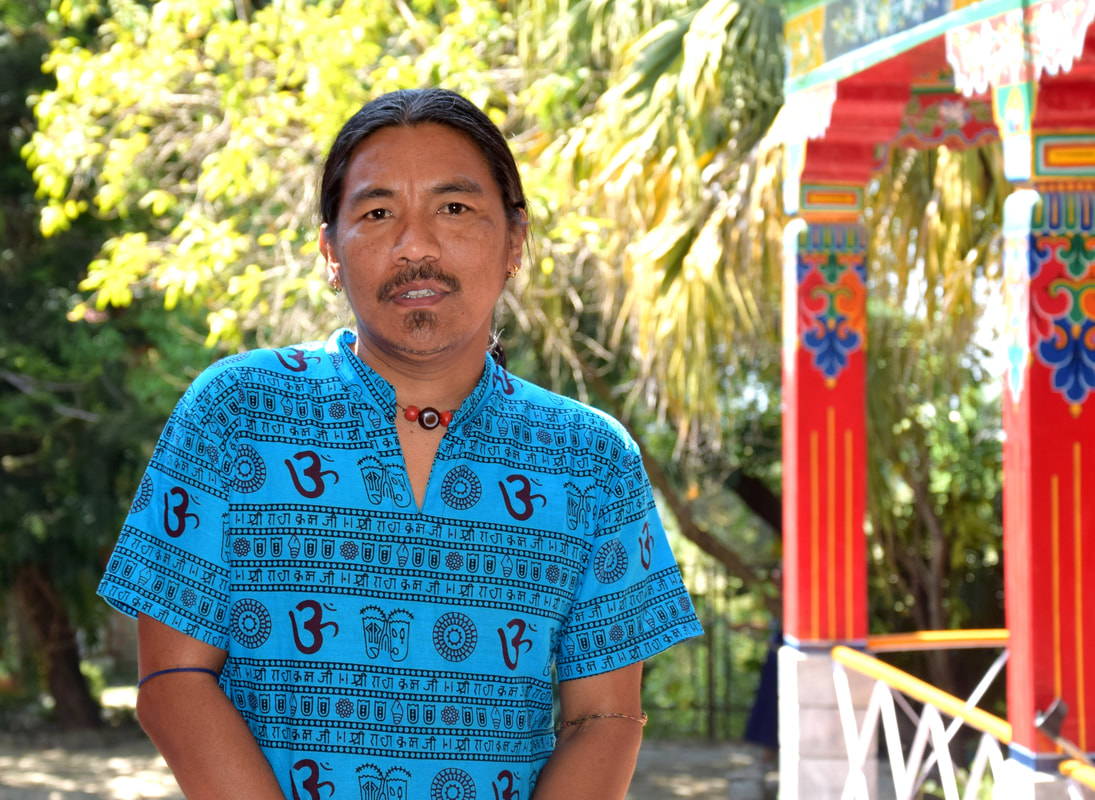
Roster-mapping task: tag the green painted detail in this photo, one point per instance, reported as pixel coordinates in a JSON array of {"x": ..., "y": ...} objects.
[
  {"x": 792, "y": 8},
  {"x": 1078, "y": 257},
  {"x": 883, "y": 49},
  {"x": 832, "y": 268},
  {"x": 1083, "y": 166}
]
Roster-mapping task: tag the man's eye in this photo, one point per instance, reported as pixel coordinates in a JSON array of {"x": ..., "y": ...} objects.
[
  {"x": 377, "y": 213},
  {"x": 453, "y": 208}
]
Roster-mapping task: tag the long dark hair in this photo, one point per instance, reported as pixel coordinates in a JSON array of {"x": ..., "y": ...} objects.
[{"x": 409, "y": 107}]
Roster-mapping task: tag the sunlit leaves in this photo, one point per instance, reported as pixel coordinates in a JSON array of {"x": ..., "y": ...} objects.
[
  {"x": 203, "y": 134},
  {"x": 659, "y": 160}
]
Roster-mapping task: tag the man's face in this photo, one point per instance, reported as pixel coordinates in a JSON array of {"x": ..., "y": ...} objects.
[{"x": 422, "y": 243}]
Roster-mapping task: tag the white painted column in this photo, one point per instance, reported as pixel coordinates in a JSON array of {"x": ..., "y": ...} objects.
[
  {"x": 813, "y": 762},
  {"x": 1022, "y": 782}
]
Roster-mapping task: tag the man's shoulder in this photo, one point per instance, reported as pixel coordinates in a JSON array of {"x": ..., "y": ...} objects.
[
  {"x": 264, "y": 365},
  {"x": 292, "y": 359},
  {"x": 562, "y": 410}
]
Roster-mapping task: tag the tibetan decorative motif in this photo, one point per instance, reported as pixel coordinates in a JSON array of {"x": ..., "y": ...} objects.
[
  {"x": 1057, "y": 29},
  {"x": 851, "y": 24},
  {"x": 1062, "y": 292},
  {"x": 832, "y": 279},
  {"x": 938, "y": 115},
  {"x": 994, "y": 52},
  {"x": 805, "y": 37},
  {"x": 988, "y": 53},
  {"x": 1064, "y": 156},
  {"x": 828, "y": 198}
]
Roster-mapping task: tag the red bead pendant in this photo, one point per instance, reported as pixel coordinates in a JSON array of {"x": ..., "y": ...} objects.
[{"x": 429, "y": 418}]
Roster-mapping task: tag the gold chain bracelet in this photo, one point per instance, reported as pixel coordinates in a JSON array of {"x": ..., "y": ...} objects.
[{"x": 642, "y": 720}]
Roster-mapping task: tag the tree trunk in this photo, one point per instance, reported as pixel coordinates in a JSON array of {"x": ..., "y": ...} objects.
[
  {"x": 940, "y": 666},
  {"x": 758, "y": 498},
  {"x": 45, "y": 613}
]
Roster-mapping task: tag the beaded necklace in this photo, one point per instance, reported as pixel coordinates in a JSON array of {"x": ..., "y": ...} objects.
[{"x": 428, "y": 418}]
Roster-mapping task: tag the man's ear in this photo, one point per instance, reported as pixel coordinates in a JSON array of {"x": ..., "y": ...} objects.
[
  {"x": 518, "y": 237},
  {"x": 327, "y": 248}
]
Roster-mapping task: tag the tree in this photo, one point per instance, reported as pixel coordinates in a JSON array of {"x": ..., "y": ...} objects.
[
  {"x": 199, "y": 131},
  {"x": 79, "y": 405}
]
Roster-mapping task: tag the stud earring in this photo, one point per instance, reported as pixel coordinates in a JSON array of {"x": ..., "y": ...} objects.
[{"x": 512, "y": 271}]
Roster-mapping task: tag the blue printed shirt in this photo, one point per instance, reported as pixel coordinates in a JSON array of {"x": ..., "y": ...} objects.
[{"x": 377, "y": 649}]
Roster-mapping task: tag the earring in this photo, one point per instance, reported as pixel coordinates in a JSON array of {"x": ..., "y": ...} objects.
[
  {"x": 513, "y": 270},
  {"x": 336, "y": 287}
]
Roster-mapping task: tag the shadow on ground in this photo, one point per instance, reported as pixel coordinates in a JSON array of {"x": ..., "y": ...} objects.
[{"x": 122, "y": 765}]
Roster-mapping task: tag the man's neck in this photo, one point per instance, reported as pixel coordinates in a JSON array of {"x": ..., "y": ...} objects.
[{"x": 442, "y": 381}]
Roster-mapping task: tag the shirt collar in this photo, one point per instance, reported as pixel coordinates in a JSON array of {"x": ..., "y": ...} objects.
[{"x": 366, "y": 385}]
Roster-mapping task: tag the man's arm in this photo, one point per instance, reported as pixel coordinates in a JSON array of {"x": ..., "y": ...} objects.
[
  {"x": 595, "y": 759},
  {"x": 200, "y": 733}
]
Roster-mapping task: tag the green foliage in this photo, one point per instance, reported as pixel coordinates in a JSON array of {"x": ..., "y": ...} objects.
[
  {"x": 79, "y": 402},
  {"x": 199, "y": 134},
  {"x": 652, "y": 194}
]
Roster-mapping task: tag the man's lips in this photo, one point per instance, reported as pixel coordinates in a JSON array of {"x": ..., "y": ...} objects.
[
  {"x": 419, "y": 282},
  {"x": 417, "y": 294}
]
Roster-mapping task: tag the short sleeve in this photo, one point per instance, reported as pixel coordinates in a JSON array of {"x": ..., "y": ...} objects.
[
  {"x": 169, "y": 562},
  {"x": 631, "y": 602}
]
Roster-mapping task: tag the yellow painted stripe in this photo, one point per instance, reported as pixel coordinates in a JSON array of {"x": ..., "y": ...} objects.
[
  {"x": 1077, "y": 573},
  {"x": 830, "y": 458},
  {"x": 849, "y": 535},
  {"x": 1055, "y": 577},
  {"x": 924, "y": 692},
  {"x": 938, "y": 640},
  {"x": 1080, "y": 772},
  {"x": 1070, "y": 155},
  {"x": 815, "y": 547},
  {"x": 832, "y": 198}
]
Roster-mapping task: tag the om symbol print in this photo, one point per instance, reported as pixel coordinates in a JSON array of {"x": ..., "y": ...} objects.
[
  {"x": 512, "y": 646},
  {"x": 179, "y": 511},
  {"x": 313, "y": 625},
  {"x": 523, "y": 494},
  {"x": 312, "y": 472}
]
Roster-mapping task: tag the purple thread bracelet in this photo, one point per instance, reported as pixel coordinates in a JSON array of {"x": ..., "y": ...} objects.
[{"x": 152, "y": 675}]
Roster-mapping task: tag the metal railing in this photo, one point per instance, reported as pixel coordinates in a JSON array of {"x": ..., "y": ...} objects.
[
  {"x": 1081, "y": 773},
  {"x": 891, "y": 687},
  {"x": 909, "y": 772},
  {"x": 930, "y": 746}
]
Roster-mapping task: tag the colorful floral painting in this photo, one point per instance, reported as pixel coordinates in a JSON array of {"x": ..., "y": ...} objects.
[
  {"x": 939, "y": 115},
  {"x": 1062, "y": 291},
  {"x": 832, "y": 280}
]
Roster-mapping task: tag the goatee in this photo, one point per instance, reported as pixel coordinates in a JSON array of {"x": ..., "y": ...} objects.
[{"x": 420, "y": 320}]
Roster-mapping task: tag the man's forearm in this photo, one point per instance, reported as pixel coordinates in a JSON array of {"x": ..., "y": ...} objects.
[
  {"x": 594, "y": 761},
  {"x": 204, "y": 739}
]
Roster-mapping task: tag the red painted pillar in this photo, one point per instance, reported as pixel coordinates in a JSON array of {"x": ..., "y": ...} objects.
[
  {"x": 824, "y": 428},
  {"x": 1049, "y": 459},
  {"x": 1049, "y": 399}
]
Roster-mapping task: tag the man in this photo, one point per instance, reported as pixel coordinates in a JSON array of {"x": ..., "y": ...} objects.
[{"x": 360, "y": 565}]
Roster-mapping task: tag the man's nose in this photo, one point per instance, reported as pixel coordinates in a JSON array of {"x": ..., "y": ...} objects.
[{"x": 417, "y": 240}]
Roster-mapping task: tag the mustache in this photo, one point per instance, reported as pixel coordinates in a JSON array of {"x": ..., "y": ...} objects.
[{"x": 417, "y": 271}]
